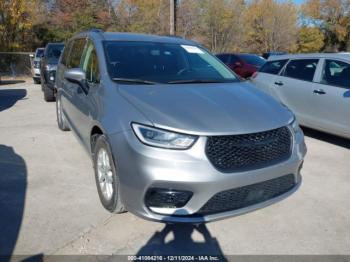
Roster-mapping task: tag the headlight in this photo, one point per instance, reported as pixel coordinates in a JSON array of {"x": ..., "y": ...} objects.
[
  {"x": 162, "y": 138},
  {"x": 51, "y": 67},
  {"x": 295, "y": 125}
]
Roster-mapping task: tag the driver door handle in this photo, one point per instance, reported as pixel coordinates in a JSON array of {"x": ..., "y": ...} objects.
[
  {"x": 319, "y": 91},
  {"x": 279, "y": 83}
]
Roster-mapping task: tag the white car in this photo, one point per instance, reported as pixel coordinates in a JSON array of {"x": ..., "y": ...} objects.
[
  {"x": 316, "y": 87},
  {"x": 36, "y": 65}
]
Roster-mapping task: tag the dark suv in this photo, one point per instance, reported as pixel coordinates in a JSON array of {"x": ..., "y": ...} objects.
[{"x": 49, "y": 63}]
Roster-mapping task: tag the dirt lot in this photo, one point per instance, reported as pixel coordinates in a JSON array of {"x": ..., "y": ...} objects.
[{"x": 49, "y": 203}]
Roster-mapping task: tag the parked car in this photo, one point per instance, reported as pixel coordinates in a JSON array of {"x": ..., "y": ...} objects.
[
  {"x": 268, "y": 54},
  {"x": 245, "y": 65},
  {"x": 315, "y": 86},
  {"x": 48, "y": 69},
  {"x": 173, "y": 134},
  {"x": 36, "y": 65}
]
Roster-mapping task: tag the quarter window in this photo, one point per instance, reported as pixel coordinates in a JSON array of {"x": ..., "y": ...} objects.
[
  {"x": 76, "y": 53},
  {"x": 336, "y": 73},
  {"x": 90, "y": 65},
  {"x": 273, "y": 67},
  {"x": 66, "y": 53},
  {"x": 303, "y": 69}
]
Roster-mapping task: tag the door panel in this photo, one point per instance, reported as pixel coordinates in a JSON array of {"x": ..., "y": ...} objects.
[
  {"x": 331, "y": 98},
  {"x": 294, "y": 88},
  {"x": 84, "y": 101}
]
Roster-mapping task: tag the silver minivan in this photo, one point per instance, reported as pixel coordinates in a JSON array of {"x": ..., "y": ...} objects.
[
  {"x": 173, "y": 134},
  {"x": 316, "y": 87}
]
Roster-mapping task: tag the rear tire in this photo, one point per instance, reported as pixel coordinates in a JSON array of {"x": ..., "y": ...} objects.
[
  {"x": 49, "y": 95},
  {"x": 106, "y": 176},
  {"x": 61, "y": 119},
  {"x": 36, "y": 81}
]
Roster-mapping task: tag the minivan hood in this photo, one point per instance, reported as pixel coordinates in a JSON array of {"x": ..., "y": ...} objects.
[{"x": 208, "y": 109}]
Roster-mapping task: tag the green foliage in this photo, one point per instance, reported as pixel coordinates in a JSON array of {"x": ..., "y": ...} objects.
[
  {"x": 220, "y": 25},
  {"x": 310, "y": 39}
]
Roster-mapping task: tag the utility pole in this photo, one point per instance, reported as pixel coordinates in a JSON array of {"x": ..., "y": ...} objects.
[{"x": 172, "y": 17}]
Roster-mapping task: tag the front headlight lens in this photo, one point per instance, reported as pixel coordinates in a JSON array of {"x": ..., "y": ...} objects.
[
  {"x": 162, "y": 138},
  {"x": 295, "y": 125}
]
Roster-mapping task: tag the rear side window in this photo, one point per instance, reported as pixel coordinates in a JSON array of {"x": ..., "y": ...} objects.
[
  {"x": 273, "y": 67},
  {"x": 336, "y": 73},
  {"x": 303, "y": 69},
  {"x": 76, "y": 53}
]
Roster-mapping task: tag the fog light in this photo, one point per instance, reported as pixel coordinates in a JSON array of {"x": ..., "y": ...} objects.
[{"x": 167, "y": 198}]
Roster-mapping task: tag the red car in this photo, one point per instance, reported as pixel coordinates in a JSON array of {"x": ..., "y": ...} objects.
[{"x": 245, "y": 65}]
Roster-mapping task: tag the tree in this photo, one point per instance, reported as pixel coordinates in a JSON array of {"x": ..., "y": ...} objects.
[
  {"x": 270, "y": 26},
  {"x": 332, "y": 17},
  {"x": 220, "y": 24},
  {"x": 16, "y": 20},
  {"x": 151, "y": 16},
  {"x": 310, "y": 39}
]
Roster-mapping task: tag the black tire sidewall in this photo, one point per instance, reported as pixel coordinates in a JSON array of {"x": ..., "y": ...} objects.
[
  {"x": 48, "y": 94},
  {"x": 114, "y": 204}
]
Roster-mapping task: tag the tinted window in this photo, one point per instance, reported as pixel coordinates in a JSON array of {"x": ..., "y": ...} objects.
[
  {"x": 76, "y": 53},
  {"x": 163, "y": 62},
  {"x": 90, "y": 65},
  {"x": 39, "y": 53},
  {"x": 66, "y": 53},
  {"x": 234, "y": 59},
  {"x": 253, "y": 60},
  {"x": 336, "y": 73},
  {"x": 224, "y": 58},
  {"x": 273, "y": 67},
  {"x": 53, "y": 52},
  {"x": 303, "y": 69}
]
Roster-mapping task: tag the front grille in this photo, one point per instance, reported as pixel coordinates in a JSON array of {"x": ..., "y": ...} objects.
[
  {"x": 248, "y": 195},
  {"x": 249, "y": 151}
]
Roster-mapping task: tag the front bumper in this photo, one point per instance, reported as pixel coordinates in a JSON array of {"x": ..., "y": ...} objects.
[
  {"x": 143, "y": 167},
  {"x": 36, "y": 73}
]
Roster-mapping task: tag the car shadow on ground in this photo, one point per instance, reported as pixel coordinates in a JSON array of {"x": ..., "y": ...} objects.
[
  {"x": 9, "y": 97},
  {"x": 181, "y": 242},
  {"x": 13, "y": 184},
  {"x": 11, "y": 82},
  {"x": 336, "y": 140}
]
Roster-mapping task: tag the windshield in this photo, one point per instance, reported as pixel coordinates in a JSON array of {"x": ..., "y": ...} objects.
[
  {"x": 39, "y": 53},
  {"x": 254, "y": 60},
  {"x": 54, "y": 52},
  {"x": 163, "y": 63}
]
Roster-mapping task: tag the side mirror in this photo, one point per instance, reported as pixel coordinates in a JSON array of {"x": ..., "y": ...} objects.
[
  {"x": 74, "y": 75},
  {"x": 77, "y": 76}
]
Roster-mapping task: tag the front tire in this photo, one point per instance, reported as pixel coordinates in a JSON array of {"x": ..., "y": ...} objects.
[
  {"x": 36, "y": 81},
  {"x": 61, "y": 119},
  {"x": 106, "y": 176},
  {"x": 49, "y": 95}
]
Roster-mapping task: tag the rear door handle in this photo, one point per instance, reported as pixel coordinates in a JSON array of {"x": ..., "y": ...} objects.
[
  {"x": 279, "y": 83},
  {"x": 319, "y": 91}
]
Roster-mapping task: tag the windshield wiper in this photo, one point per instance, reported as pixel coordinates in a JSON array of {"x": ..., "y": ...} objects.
[
  {"x": 135, "y": 81},
  {"x": 189, "y": 81}
]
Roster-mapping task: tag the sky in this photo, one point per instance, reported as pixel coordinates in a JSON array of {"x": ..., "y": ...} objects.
[{"x": 299, "y": 1}]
